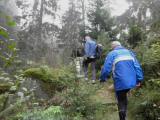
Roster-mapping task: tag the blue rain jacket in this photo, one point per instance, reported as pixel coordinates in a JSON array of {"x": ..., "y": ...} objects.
[
  {"x": 125, "y": 68},
  {"x": 90, "y": 49}
]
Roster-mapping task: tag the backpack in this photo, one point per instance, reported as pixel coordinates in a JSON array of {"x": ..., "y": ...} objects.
[{"x": 99, "y": 51}]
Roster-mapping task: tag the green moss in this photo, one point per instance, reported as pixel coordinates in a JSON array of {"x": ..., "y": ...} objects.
[
  {"x": 4, "y": 87},
  {"x": 56, "y": 79}
]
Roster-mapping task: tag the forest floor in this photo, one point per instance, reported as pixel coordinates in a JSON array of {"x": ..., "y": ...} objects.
[{"x": 106, "y": 96}]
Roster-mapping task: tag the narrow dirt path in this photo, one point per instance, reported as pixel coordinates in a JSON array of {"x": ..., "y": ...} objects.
[{"x": 106, "y": 97}]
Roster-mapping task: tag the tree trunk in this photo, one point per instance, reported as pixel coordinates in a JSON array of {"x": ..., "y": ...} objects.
[
  {"x": 83, "y": 14},
  {"x": 41, "y": 20}
]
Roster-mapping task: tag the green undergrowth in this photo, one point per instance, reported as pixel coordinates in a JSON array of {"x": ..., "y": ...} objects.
[
  {"x": 75, "y": 93},
  {"x": 3, "y": 99},
  {"x": 107, "y": 112},
  {"x": 51, "y": 113},
  {"x": 145, "y": 103},
  {"x": 80, "y": 100},
  {"x": 106, "y": 98},
  {"x": 77, "y": 100}
]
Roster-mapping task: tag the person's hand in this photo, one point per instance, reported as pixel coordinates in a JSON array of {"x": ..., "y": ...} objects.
[{"x": 138, "y": 85}]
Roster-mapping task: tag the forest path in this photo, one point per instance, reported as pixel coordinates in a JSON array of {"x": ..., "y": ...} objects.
[{"x": 105, "y": 95}]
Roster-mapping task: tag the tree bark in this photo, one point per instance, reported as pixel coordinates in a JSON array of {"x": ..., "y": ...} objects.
[
  {"x": 41, "y": 20},
  {"x": 83, "y": 14}
]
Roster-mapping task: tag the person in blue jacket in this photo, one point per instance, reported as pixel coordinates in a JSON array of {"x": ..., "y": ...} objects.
[
  {"x": 126, "y": 73},
  {"x": 90, "y": 57}
]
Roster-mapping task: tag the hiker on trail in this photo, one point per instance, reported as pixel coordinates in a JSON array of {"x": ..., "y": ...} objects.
[
  {"x": 126, "y": 71},
  {"x": 90, "y": 57}
]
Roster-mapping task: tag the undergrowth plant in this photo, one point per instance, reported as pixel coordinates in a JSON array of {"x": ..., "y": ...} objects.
[
  {"x": 145, "y": 103},
  {"x": 79, "y": 103},
  {"x": 51, "y": 113}
]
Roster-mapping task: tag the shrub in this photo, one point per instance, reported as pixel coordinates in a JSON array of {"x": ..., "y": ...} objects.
[
  {"x": 7, "y": 44},
  {"x": 52, "y": 113},
  {"x": 145, "y": 104},
  {"x": 78, "y": 102},
  {"x": 152, "y": 54}
]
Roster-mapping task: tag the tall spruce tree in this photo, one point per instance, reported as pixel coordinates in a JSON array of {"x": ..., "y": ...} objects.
[
  {"x": 100, "y": 18},
  {"x": 35, "y": 32},
  {"x": 71, "y": 28}
]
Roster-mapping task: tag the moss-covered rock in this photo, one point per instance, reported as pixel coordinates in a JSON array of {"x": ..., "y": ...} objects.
[
  {"x": 47, "y": 74},
  {"x": 4, "y": 87},
  {"x": 51, "y": 79}
]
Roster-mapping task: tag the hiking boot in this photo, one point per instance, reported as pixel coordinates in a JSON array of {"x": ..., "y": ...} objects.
[{"x": 122, "y": 115}]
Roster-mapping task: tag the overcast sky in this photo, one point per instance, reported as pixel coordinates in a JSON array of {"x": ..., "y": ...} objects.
[{"x": 118, "y": 7}]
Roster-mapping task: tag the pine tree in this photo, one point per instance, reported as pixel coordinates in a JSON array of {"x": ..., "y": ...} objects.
[{"x": 100, "y": 18}]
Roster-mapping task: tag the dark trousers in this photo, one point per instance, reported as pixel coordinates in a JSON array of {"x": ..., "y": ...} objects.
[
  {"x": 93, "y": 64},
  {"x": 122, "y": 103}
]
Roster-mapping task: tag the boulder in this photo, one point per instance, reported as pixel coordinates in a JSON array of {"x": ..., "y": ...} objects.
[{"x": 4, "y": 87}]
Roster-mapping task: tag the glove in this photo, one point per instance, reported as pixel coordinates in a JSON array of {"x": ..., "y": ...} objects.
[{"x": 138, "y": 85}]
